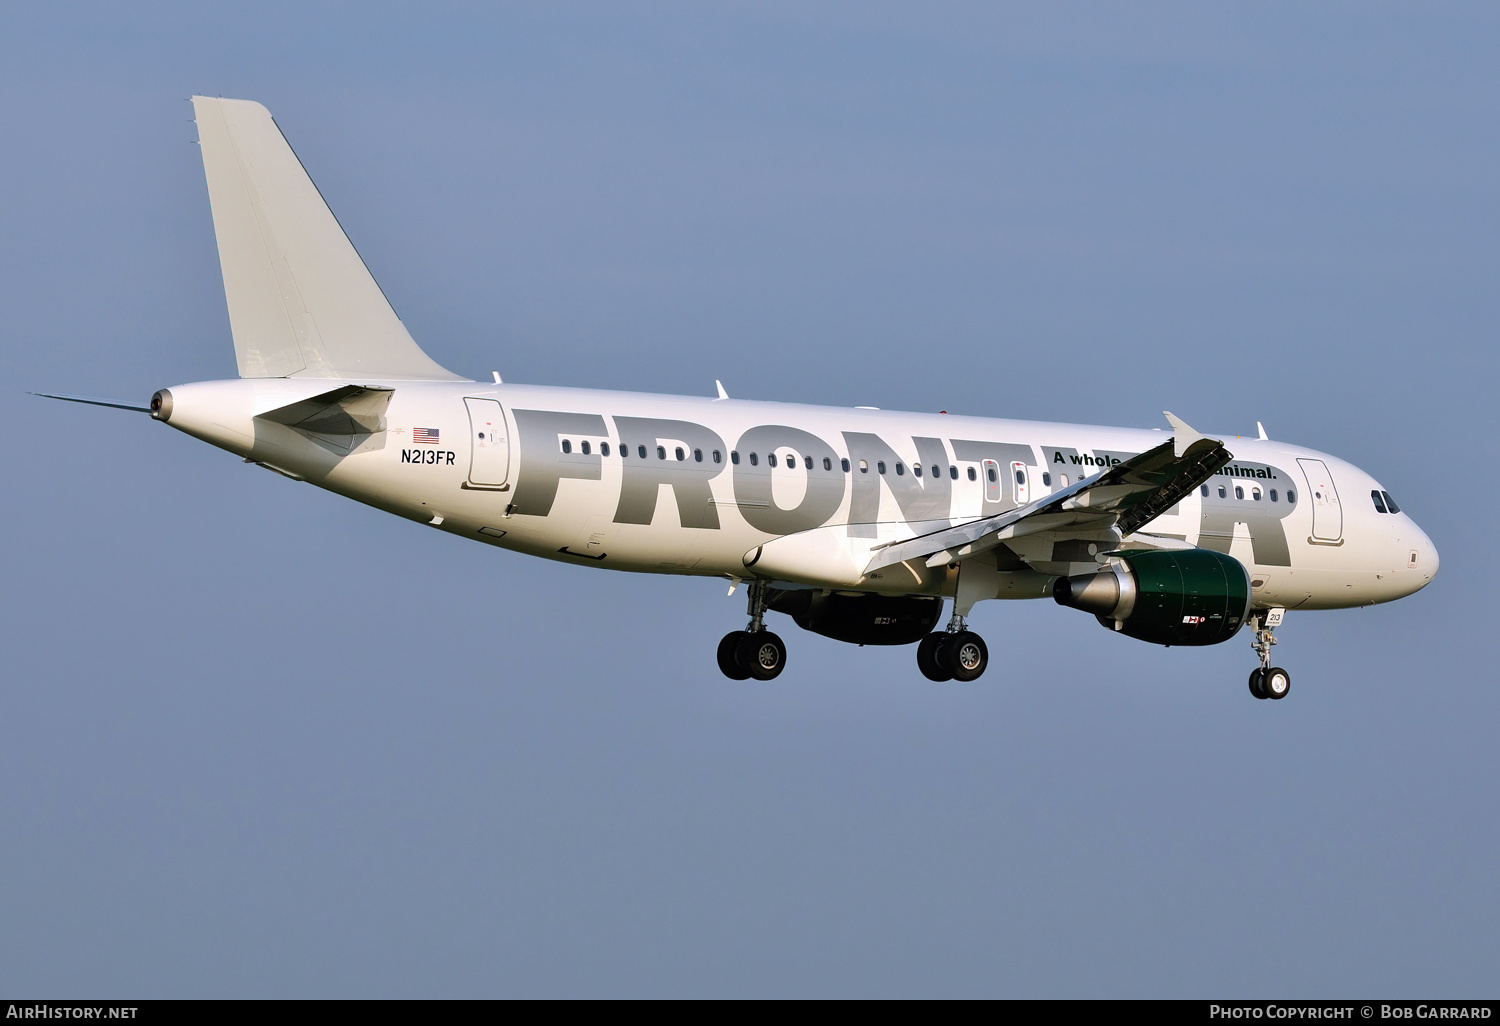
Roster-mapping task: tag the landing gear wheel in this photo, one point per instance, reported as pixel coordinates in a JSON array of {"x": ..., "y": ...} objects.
[
  {"x": 760, "y": 654},
  {"x": 965, "y": 656},
  {"x": 1255, "y": 682},
  {"x": 727, "y": 662},
  {"x": 1276, "y": 683},
  {"x": 929, "y": 658}
]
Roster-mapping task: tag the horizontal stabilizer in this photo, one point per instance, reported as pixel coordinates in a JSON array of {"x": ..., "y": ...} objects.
[
  {"x": 345, "y": 412},
  {"x": 301, "y": 301}
]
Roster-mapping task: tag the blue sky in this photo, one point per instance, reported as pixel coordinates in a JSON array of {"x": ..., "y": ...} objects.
[{"x": 261, "y": 741}]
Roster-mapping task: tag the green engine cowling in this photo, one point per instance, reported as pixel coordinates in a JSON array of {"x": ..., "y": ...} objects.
[{"x": 1186, "y": 597}]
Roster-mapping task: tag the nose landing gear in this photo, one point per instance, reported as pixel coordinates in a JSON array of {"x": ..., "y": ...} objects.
[
  {"x": 1268, "y": 681},
  {"x": 755, "y": 651}
]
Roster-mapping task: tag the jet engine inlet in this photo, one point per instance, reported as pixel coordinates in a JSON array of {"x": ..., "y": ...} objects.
[{"x": 161, "y": 405}]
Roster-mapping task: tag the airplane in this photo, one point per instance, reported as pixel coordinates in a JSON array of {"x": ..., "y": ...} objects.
[{"x": 859, "y": 524}]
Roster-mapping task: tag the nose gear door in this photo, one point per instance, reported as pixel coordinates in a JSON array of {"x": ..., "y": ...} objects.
[
  {"x": 489, "y": 441},
  {"x": 1328, "y": 515}
]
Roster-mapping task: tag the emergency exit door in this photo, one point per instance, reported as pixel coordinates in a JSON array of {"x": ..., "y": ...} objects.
[
  {"x": 1021, "y": 473},
  {"x": 489, "y": 444}
]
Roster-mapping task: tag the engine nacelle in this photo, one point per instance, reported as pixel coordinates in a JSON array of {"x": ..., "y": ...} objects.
[
  {"x": 860, "y": 619},
  {"x": 1187, "y": 597}
]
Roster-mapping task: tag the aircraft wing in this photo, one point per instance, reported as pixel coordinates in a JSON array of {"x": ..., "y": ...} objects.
[{"x": 1108, "y": 506}]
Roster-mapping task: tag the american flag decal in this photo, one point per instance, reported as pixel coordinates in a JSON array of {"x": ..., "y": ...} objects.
[{"x": 428, "y": 435}]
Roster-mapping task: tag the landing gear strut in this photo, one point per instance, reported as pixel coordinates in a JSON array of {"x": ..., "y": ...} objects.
[
  {"x": 754, "y": 651},
  {"x": 1267, "y": 681},
  {"x": 955, "y": 654}
]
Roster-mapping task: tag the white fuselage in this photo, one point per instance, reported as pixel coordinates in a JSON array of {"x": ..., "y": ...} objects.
[{"x": 797, "y": 493}]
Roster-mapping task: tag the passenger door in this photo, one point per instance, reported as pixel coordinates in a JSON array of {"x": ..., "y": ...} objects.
[
  {"x": 1328, "y": 515},
  {"x": 489, "y": 441}
]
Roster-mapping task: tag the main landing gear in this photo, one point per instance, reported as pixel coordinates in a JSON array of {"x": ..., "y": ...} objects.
[
  {"x": 1267, "y": 681},
  {"x": 754, "y": 651},
  {"x": 955, "y": 654}
]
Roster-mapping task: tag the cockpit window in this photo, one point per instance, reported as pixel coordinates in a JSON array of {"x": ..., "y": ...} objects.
[
  {"x": 1379, "y": 505},
  {"x": 1390, "y": 503}
]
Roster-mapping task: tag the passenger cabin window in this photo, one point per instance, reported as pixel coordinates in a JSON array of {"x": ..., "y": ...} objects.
[
  {"x": 1390, "y": 503},
  {"x": 1291, "y": 496},
  {"x": 734, "y": 457},
  {"x": 880, "y": 466},
  {"x": 937, "y": 471},
  {"x": 567, "y": 445},
  {"x": 1379, "y": 504},
  {"x": 807, "y": 463},
  {"x": 953, "y": 473},
  {"x": 1204, "y": 490},
  {"x": 845, "y": 464},
  {"x": 900, "y": 470},
  {"x": 603, "y": 448},
  {"x": 661, "y": 452},
  {"x": 1255, "y": 493},
  {"x": 1239, "y": 493},
  {"x": 864, "y": 468},
  {"x": 584, "y": 448},
  {"x": 697, "y": 455},
  {"x": 754, "y": 459},
  {"x": 641, "y": 451},
  {"x": 770, "y": 459},
  {"x": 972, "y": 475},
  {"x": 1273, "y": 495},
  {"x": 1222, "y": 493},
  {"x": 1046, "y": 479},
  {"x": 916, "y": 470},
  {"x": 827, "y": 463},
  {"x": 717, "y": 458}
]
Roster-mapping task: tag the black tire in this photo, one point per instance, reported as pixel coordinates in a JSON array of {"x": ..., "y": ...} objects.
[
  {"x": 1277, "y": 683},
  {"x": 928, "y": 658},
  {"x": 761, "y": 654},
  {"x": 965, "y": 656},
  {"x": 1255, "y": 688},
  {"x": 728, "y": 664}
]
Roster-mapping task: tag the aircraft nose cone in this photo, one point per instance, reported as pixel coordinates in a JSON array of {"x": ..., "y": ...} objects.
[{"x": 1422, "y": 560}]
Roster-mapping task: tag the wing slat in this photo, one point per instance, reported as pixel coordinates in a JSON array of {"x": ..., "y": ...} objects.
[{"x": 1120, "y": 500}]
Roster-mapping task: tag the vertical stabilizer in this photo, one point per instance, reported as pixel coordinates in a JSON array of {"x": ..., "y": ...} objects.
[{"x": 301, "y": 301}]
